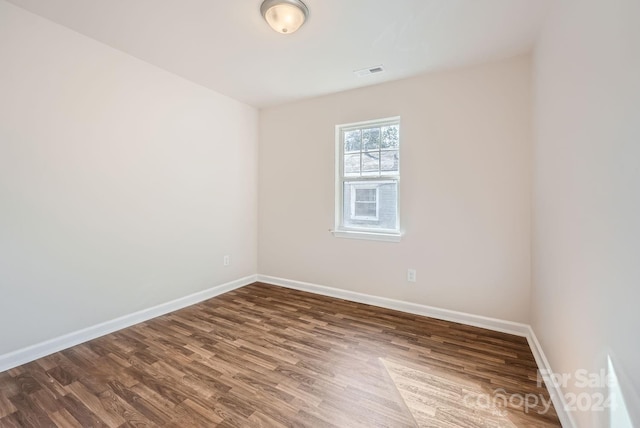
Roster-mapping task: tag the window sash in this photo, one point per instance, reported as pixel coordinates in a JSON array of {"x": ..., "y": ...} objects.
[
  {"x": 340, "y": 220},
  {"x": 362, "y": 152}
]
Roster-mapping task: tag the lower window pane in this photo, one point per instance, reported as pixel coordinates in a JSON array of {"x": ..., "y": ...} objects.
[{"x": 370, "y": 205}]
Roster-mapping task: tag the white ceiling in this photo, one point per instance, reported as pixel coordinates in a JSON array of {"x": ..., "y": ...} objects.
[{"x": 225, "y": 45}]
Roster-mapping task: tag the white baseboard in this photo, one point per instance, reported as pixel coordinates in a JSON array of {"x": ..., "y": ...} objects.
[
  {"x": 495, "y": 324},
  {"x": 510, "y": 327},
  {"x": 39, "y": 350},
  {"x": 557, "y": 397}
]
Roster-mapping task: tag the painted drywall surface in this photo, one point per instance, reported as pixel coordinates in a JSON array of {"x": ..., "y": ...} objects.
[
  {"x": 121, "y": 185},
  {"x": 465, "y": 191},
  {"x": 586, "y": 198}
]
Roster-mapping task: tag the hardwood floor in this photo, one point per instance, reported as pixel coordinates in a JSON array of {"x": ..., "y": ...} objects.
[{"x": 265, "y": 356}]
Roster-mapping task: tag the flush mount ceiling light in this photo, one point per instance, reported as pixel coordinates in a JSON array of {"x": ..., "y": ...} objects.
[{"x": 284, "y": 16}]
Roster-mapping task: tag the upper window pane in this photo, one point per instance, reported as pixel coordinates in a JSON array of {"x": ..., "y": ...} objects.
[
  {"x": 371, "y": 139},
  {"x": 371, "y": 162},
  {"x": 389, "y": 161},
  {"x": 352, "y": 164},
  {"x": 390, "y": 137},
  {"x": 352, "y": 141}
]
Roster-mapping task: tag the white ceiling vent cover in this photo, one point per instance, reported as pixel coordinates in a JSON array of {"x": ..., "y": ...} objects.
[{"x": 376, "y": 69}]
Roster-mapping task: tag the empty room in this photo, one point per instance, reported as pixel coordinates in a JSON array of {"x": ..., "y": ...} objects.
[{"x": 320, "y": 213}]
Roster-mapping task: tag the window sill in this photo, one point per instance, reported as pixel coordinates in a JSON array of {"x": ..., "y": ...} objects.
[{"x": 371, "y": 236}]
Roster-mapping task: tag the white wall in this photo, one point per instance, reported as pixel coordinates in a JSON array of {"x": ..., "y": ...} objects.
[
  {"x": 465, "y": 191},
  {"x": 586, "y": 227},
  {"x": 121, "y": 185}
]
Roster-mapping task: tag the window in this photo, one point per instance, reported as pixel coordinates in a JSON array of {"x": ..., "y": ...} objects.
[
  {"x": 367, "y": 178},
  {"x": 364, "y": 202}
]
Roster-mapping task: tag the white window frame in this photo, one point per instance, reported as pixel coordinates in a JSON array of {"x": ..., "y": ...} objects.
[
  {"x": 368, "y": 186},
  {"x": 364, "y": 232}
]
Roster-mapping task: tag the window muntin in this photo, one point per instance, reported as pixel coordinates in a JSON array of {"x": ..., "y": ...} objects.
[{"x": 368, "y": 173}]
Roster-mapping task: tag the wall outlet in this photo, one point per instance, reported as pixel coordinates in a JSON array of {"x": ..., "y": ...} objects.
[
  {"x": 411, "y": 275},
  {"x": 226, "y": 260}
]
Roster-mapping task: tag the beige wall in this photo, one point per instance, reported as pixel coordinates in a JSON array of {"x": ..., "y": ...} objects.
[
  {"x": 586, "y": 240},
  {"x": 121, "y": 185},
  {"x": 465, "y": 191}
]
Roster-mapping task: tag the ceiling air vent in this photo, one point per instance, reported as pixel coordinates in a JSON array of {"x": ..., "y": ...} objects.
[{"x": 369, "y": 71}]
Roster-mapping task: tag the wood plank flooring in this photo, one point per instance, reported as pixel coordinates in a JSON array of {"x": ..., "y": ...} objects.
[{"x": 265, "y": 356}]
